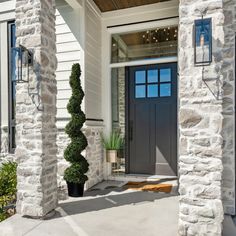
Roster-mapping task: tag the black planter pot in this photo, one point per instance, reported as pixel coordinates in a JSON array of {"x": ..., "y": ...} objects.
[{"x": 75, "y": 189}]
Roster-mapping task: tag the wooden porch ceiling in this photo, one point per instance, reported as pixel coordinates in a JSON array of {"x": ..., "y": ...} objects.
[{"x": 112, "y": 5}]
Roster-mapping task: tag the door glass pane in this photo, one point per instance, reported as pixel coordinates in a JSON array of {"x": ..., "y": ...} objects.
[
  {"x": 140, "y": 77},
  {"x": 165, "y": 90},
  {"x": 152, "y": 91},
  {"x": 165, "y": 75},
  {"x": 152, "y": 76},
  {"x": 140, "y": 91}
]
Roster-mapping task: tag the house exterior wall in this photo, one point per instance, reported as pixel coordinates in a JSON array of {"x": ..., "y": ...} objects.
[
  {"x": 7, "y": 13},
  {"x": 75, "y": 44},
  {"x": 228, "y": 134},
  {"x": 70, "y": 44},
  {"x": 206, "y": 120}
]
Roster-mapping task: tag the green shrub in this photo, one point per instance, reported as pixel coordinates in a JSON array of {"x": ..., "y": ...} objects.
[
  {"x": 8, "y": 181},
  {"x": 8, "y": 178},
  {"x": 79, "y": 165},
  {"x": 113, "y": 142}
]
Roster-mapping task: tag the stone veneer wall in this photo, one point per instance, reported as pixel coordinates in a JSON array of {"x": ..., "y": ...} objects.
[
  {"x": 93, "y": 153},
  {"x": 36, "y": 110},
  {"x": 121, "y": 99},
  {"x": 206, "y": 121},
  {"x": 4, "y": 141},
  {"x": 228, "y": 71}
]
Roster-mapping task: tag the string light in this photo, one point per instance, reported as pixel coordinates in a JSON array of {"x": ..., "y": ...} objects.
[{"x": 153, "y": 36}]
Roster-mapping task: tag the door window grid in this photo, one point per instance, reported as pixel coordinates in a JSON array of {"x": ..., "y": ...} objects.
[{"x": 147, "y": 86}]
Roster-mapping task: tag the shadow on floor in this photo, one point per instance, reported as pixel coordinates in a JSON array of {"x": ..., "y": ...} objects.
[{"x": 84, "y": 205}]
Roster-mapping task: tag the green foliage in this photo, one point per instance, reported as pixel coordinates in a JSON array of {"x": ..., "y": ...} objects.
[
  {"x": 79, "y": 165},
  {"x": 75, "y": 173},
  {"x": 8, "y": 178},
  {"x": 113, "y": 142},
  {"x": 8, "y": 181}
]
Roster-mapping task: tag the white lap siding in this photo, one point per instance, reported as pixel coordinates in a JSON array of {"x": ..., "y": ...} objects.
[
  {"x": 69, "y": 51},
  {"x": 93, "y": 56}
]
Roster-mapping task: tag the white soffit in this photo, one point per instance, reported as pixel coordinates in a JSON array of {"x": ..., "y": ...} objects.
[{"x": 75, "y": 4}]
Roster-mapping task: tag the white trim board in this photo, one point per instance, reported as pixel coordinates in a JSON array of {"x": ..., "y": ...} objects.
[
  {"x": 144, "y": 26},
  {"x": 160, "y": 60}
]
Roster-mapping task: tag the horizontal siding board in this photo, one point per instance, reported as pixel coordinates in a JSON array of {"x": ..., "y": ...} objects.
[
  {"x": 59, "y": 20},
  {"x": 68, "y": 47},
  {"x": 64, "y": 94},
  {"x": 62, "y": 103},
  {"x": 63, "y": 85},
  {"x": 63, "y": 75},
  {"x": 68, "y": 56},
  {"x": 62, "y": 29},
  {"x": 62, "y": 113},
  {"x": 65, "y": 38},
  {"x": 65, "y": 66}
]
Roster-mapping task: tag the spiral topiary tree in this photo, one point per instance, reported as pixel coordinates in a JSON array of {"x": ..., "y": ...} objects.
[{"x": 75, "y": 175}]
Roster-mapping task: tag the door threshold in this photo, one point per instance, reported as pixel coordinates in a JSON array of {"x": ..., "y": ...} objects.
[{"x": 141, "y": 177}]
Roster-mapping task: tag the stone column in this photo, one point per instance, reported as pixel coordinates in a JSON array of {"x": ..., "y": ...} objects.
[
  {"x": 36, "y": 110},
  {"x": 201, "y": 122}
]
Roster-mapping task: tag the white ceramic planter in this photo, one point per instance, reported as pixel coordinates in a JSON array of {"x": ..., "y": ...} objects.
[{"x": 111, "y": 156}]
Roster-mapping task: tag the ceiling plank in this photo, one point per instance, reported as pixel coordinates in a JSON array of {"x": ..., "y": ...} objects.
[{"x": 113, "y": 5}]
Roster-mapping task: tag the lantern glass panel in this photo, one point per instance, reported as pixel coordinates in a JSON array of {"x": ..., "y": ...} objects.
[
  {"x": 203, "y": 41},
  {"x": 22, "y": 59}
]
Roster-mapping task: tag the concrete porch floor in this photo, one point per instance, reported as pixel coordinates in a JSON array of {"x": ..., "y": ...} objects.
[{"x": 107, "y": 210}]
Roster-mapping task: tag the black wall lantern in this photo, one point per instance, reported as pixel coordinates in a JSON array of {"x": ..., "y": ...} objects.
[
  {"x": 22, "y": 59},
  {"x": 203, "y": 41}
]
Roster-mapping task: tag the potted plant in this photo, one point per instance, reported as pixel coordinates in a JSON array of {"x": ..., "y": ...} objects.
[
  {"x": 75, "y": 173},
  {"x": 113, "y": 143}
]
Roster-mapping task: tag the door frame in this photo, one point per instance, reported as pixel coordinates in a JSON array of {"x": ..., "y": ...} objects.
[{"x": 127, "y": 109}]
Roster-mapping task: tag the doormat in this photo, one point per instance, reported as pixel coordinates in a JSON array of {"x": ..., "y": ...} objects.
[{"x": 149, "y": 186}]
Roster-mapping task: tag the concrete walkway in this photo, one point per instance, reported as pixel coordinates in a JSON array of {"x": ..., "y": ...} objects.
[{"x": 108, "y": 212}]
